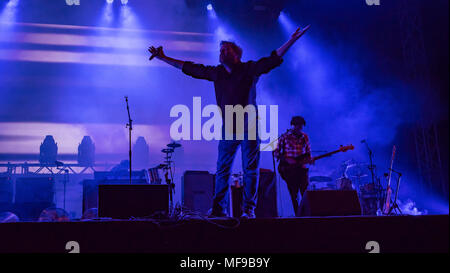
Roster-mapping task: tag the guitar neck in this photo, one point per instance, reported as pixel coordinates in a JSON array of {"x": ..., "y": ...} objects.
[
  {"x": 392, "y": 164},
  {"x": 326, "y": 155}
]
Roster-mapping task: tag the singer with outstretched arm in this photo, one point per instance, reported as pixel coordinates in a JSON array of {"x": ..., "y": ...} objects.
[{"x": 235, "y": 84}]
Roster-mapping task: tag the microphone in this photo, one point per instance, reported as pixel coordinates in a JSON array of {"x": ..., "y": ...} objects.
[{"x": 155, "y": 54}]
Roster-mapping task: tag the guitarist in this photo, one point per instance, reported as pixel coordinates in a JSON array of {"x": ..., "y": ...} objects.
[{"x": 292, "y": 145}]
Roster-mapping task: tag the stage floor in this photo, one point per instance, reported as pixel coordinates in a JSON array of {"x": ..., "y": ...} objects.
[{"x": 401, "y": 234}]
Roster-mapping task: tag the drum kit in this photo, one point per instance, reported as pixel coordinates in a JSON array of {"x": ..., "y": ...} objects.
[
  {"x": 352, "y": 175},
  {"x": 167, "y": 168}
]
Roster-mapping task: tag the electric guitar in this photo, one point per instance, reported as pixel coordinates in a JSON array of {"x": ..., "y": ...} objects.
[
  {"x": 387, "y": 203},
  {"x": 289, "y": 162}
]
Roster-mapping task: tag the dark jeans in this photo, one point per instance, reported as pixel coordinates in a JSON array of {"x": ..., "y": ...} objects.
[
  {"x": 250, "y": 162},
  {"x": 297, "y": 180}
]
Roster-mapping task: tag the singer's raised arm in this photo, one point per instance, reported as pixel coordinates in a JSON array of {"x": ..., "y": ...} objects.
[
  {"x": 159, "y": 54},
  {"x": 194, "y": 70}
]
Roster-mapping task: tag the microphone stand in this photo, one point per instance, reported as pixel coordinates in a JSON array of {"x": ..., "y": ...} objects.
[
  {"x": 371, "y": 168},
  {"x": 60, "y": 166},
  {"x": 130, "y": 128}
]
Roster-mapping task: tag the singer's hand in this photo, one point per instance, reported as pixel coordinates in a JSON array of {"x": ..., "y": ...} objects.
[
  {"x": 157, "y": 52},
  {"x": 299, "y": 32}
]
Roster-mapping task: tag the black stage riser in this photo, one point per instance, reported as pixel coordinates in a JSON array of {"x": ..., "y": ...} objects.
[{"x": 404, "y": 234}]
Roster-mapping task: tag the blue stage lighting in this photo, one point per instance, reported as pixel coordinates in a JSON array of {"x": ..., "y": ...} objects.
[
  {"x": 109, "y": 1},
  {"x": 13, "y": 3},
  {"x": 124, "y": 2},
  {"x": 209, "y": 7}
]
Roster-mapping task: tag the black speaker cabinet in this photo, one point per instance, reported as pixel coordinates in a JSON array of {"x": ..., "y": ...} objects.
[
  {"x": 329, "y": 203},
  {"x": 197, "y": 190},
  {"x": 90, "y": 190},
  {"x": 128, "y": 200},
  {"x": 267, "y": 195}
]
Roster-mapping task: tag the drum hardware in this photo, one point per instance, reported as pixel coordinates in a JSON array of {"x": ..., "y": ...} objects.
[
  {"x": 322, "y": 186},
  {"x": 344, "y": 183},
  {"x": 167, "y": 167},
  {"x": 319, "y": 178},
  {"x": 174, "y": 145},
  {"x": 237, "y": 180},
  {"x": 167, "y": 151}
]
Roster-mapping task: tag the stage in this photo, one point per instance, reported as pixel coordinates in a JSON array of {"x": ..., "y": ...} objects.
[{"x": 393, "y": 234}]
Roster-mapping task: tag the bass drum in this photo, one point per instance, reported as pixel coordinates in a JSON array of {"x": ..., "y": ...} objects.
[{"x": 344, "y": 183}]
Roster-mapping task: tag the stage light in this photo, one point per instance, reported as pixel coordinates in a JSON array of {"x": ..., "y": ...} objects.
[
  {"x": 8, "y": 14},
  {"x": 211, "y": 12},
  {"x": 54, "y": 215},
  {"x": 107, "y": 15},
  {"x": 124, "y": 2},
  {"x": 13, "y": 3},
  {"x": 86, "y": 152},
  {"x": 8, "y": 217},
  {"x": 109, "y": 1},
  {"x": 90, "y": 214},
  {"x": 48, "y": 150},
  {"x": 128, "y": 18}
]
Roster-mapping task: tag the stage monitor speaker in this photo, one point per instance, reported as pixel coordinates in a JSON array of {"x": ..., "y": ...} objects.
[
  {"x": 329, "y": 203},
  {"x": 267, "y": 195},
  {"x": 197, "y": 190},
  {"x": 125, "y": 201},
  {"x": 35, "y": 189},
  {"x": 90, "y": 190}
]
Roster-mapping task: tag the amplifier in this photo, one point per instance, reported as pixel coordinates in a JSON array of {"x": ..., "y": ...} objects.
[
  {"x": 128, "y": 200},
  {"x": 197, "y": 190},
  {"x": 90, "y": 190}
]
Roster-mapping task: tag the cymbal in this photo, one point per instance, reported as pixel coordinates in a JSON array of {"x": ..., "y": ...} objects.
[
  {"x": 320, "y": 179},
  {"x": 167, "y": 151},
  {"x": 358, "y": 164},
  {"x": 358, "y": 176},
  {"x": 174, "y": 145}
]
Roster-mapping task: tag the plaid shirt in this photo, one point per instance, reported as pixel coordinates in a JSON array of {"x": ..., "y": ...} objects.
[{"x": 292, "y": 145}]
